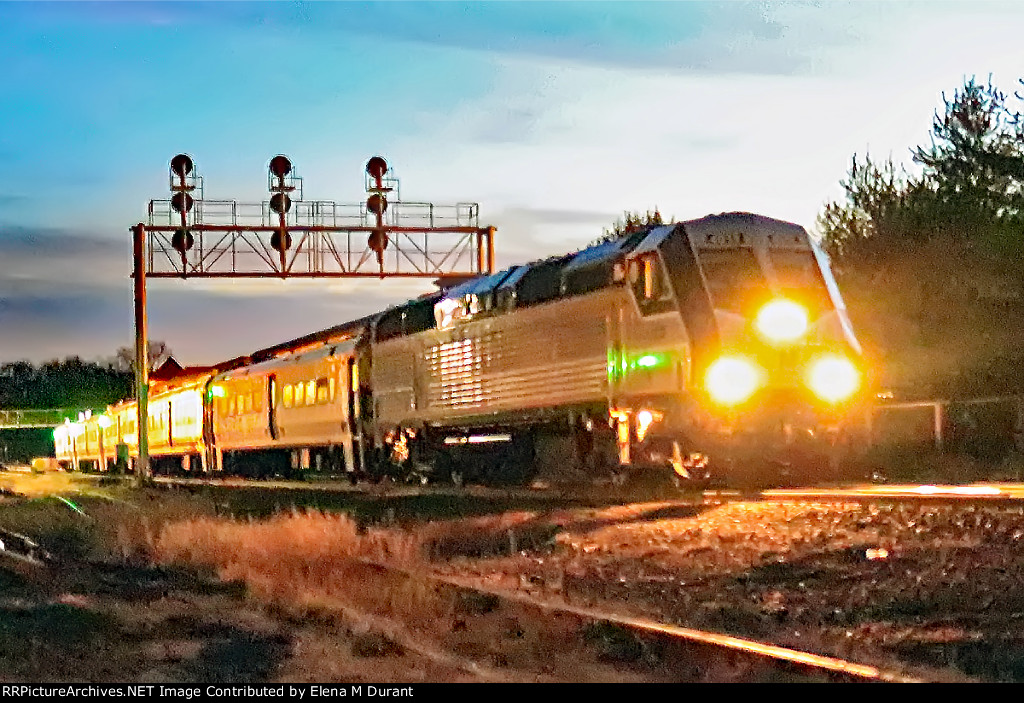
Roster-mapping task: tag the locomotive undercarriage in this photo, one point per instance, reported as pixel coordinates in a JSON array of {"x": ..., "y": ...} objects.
[
  {"x": 770, "y": 447},
  {"x": 661, "y": 440}
]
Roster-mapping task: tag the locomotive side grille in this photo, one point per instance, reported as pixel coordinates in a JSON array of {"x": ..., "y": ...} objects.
[{"x": 556, "y": 357}]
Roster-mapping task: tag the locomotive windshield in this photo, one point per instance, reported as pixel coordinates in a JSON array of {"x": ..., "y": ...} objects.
[
  {"x": 734, "y": 277},
  {"x": 800, "y": 278}
]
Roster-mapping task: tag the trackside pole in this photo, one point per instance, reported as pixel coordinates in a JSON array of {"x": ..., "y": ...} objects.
[{"x": 141, "y": 356}]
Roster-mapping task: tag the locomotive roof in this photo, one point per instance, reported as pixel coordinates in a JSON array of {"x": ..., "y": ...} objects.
[
  {"x": 481, "y": 284},
  {"x": 778, "y": 232},
  {"x": 604, "y": 253}
]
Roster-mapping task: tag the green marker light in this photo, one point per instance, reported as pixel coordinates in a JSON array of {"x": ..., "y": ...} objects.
[{"x": 648, "y": 361}]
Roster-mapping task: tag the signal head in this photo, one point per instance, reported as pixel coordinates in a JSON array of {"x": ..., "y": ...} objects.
[
  {"x": 181, "y": 202},
  {"x": 281, "y": 243},
  {"x": 377, "y": 167},
  {"x": 280, "y": 166},
  {"x": 182, "y": 240},
  {"x": 377, "y": 204},
  {"x": 280, "y": 203},
  {"x": 181, "y": 165}
]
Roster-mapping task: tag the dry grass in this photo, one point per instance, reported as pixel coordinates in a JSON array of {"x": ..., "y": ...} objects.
[
  {"x": 307, "y": 563},
  {"x": 37, "y": 485},
  {"x": 309, "y": 545}
]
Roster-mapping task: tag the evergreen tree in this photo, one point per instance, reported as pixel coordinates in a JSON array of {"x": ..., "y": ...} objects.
[{"x": 931, "y": 262}]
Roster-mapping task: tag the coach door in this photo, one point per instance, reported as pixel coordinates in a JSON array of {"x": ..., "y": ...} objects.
[
  {"x": 355, "y": 408},
  {"x": 272, "y": 406}
]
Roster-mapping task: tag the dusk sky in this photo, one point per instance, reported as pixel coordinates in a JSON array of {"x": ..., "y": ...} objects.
[{"x": 554, "y": 117}]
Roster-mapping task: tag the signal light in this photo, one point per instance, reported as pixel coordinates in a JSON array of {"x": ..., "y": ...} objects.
[
  {"x": 378, "y": 242},
  {"x": 280, "y": 203},
  {"x": 377, "y": 167},
  {"x": 181, "y": 165},
  {"x": 649, "y": 361},
  {"x": 377, "y": 204},
  {"x": 276, "y": 241},
  {"x": 182, "y": 202},
  {"x": 182, "y": 240},
  {"x": 280, "y": 166}
]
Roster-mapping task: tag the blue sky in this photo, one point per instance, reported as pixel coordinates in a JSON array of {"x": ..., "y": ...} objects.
[{"x": 556, "y": 117}]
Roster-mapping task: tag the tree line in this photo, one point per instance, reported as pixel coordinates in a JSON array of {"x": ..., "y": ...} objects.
[
  {"x": 930, "y": 256},
  {"x": 73, "y": 382},
  {"x": 70, "y": 383}
]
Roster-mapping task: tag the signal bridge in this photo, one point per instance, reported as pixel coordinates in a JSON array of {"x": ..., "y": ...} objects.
[{"x": 286, "y": 236}]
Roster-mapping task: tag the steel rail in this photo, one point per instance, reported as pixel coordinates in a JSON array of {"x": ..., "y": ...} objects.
[{"x": 733, "y": 643}]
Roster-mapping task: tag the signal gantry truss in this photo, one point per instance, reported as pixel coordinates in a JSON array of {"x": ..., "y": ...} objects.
[{"x": 190, "y": 237}]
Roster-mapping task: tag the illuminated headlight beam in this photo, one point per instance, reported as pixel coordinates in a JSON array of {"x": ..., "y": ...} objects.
[
  {"x": 833, "y": 378},
  {"x": 731, "y": 380},
  {"x": 782, "y": 321}
]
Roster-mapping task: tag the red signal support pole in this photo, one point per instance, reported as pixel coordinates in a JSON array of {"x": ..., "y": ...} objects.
[{"x": 141, "y": 355}]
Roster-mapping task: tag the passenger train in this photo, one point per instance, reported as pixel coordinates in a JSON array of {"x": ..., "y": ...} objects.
[{"x": 704, "y": 347}]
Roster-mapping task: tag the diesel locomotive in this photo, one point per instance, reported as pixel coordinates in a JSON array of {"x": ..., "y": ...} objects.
[{"x": 713, "y": 346}]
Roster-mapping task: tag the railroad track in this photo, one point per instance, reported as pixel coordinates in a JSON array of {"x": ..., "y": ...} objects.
[
  {"x": 480, "y": 623},
  {"x": 976, "y": 493}
]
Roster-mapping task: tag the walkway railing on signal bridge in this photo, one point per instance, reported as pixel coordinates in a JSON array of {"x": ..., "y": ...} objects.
[{"x": 50, "y": 417}]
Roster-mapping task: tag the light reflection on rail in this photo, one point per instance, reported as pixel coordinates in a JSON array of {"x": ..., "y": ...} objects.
[{"x": 1010, "y": 491}]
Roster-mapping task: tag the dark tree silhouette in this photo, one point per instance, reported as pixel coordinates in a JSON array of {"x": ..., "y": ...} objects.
[{"x": 930, "y": 261}]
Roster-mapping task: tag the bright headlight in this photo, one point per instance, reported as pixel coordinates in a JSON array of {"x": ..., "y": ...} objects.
[
  {"x": 731, "y": 380},
  {"x": 782, "y": 321},
  {"x": 833, "y": 378}
]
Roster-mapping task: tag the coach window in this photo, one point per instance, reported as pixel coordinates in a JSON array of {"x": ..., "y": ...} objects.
[
  {"x": 322, "y": 391},
  {"x": 311, "y": 392},
  {"x": 286, "y": 399}
]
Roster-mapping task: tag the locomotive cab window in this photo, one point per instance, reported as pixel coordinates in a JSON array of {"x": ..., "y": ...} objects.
[
  {"x": 649, "y": 283},
  {"x": 734, "y": 277},
  {"x": 799, "y": 277}
]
